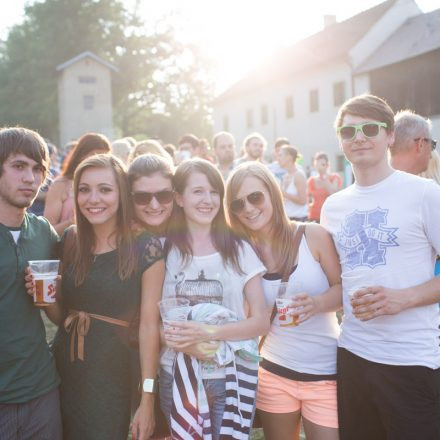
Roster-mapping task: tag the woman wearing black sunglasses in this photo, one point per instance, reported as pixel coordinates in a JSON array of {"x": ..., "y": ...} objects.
[
  {"x": 150, "y": 178},
  {"x": 297, "y": 377}
]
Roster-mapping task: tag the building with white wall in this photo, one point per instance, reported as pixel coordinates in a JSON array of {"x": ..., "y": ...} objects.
[
  {"x": 85, "y": 96},
  {"x": 297, "y": 93}
]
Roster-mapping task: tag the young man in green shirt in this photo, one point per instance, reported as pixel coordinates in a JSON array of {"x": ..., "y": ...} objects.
[{"x": 29, "y": 401}]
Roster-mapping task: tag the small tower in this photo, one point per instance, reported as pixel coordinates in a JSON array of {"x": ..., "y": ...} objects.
[{"x": 84, "y": 96}]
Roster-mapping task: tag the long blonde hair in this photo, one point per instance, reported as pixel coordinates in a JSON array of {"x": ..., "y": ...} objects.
[
  {"x": 86, "y": 240},
  {"x": 281, "y": 231},
  {"x": 433, "y": 171}
]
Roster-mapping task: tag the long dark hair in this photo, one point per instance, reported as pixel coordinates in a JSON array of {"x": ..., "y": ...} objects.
[
  {"x": 127, "y": 252},
  {"x": 85, "y": 145},
  {"x": 223, "y": 239}
]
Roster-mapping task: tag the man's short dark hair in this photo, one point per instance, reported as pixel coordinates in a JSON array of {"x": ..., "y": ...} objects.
[
  {"x": 18, "y": 140},
  {"x": 368, "y": 106},
  {"x": 190, "y": 139},
  {"x": 280, "y": 142}
]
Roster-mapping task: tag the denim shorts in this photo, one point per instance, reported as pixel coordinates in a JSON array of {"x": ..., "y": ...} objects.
[{"x": 215, "y": 392}]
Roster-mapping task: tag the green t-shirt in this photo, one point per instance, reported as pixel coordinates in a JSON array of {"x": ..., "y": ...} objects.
[{"x": 27, "y": 368}]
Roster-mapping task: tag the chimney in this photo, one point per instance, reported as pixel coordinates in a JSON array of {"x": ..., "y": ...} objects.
[{"x": 329, "y": 20}]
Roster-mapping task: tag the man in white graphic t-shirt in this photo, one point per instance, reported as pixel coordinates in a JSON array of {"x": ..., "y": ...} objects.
[{"x": 386, "y": 230}]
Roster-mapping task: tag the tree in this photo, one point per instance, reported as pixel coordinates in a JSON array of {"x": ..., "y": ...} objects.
[{"x": 161, "y": 90}]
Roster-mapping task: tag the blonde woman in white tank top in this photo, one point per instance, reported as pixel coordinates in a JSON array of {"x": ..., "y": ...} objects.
[{"x": 297, "y": 378}]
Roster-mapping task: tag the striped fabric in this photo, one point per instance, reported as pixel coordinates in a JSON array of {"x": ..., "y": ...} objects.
[
  {"x": 241, "y": 387},
  {"x": 190, "y": 411}
]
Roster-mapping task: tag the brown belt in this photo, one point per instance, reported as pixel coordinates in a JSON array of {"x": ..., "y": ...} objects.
[{"x": 78, "y": 323}]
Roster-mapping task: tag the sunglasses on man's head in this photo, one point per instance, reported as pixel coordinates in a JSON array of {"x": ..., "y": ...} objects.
[
  {"x": 368, "y": 129},
  {"x": 254, "y": 198},
  {"x": 144, "y": 197}
]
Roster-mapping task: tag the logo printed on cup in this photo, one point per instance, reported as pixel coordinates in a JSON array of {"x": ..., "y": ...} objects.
[
  {"x": 45, "y": 274},
  {"x": 45, "y": 290}
]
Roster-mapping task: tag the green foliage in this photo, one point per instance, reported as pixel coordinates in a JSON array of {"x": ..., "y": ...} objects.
[{"x": 161, "y": 88}]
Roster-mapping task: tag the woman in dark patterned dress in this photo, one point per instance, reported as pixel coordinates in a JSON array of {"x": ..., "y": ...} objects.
[{"x": 109, "y": 275}]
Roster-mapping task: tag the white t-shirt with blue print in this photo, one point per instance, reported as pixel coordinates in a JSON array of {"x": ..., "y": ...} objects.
[{"x": 388, "y": 234}]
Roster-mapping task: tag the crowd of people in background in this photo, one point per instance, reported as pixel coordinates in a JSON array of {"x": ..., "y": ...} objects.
[{"x": 228, "y": 233}]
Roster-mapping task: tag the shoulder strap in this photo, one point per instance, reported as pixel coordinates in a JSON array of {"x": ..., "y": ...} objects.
[{"x": 296, "y": 242}]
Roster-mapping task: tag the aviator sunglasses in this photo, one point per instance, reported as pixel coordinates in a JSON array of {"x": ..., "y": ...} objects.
[
  {"x": 144, "y": 198},
  {"x": 368, "y": 129},
  {"x": 254, "y": 198}
]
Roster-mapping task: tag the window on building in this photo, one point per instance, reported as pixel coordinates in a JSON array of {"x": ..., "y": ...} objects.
[
  {"x": 87, "y": 79},
  {"x": 249, "y": 118},
  {"x": 225, "y": 123},
  {"x": 88, "y": 102},
  {"x": 339, "y": 93},
  {"x": 264, "y": 114},
  {"x": 314, "y": 100},
  {"x": 289, "y": 107}
]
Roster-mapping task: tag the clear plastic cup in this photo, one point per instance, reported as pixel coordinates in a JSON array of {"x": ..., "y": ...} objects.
[
  {"x": 45, "y": 273},
  {"x": 174, "y": 309}
]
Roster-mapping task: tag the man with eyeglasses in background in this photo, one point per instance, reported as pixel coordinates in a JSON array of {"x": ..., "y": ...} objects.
[
  {"x": 385, "y": 228},
  {"x": 413, "y": 145}
]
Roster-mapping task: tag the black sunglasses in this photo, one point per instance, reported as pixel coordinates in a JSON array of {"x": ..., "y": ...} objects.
[
  {"x": 254, "y": 198},
  {"x": 433, "y": 142},
  {"x": 144, "y": 198}
]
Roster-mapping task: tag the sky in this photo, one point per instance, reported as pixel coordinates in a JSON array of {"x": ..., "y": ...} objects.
[{"x": 236, "y": 34}]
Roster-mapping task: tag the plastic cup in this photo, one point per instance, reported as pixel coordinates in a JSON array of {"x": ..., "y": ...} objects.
[
  {"x": 282, "y": 301},
  {"x": 45, "y": 274},
  {"x": 353, "y": 290},
  {"x": 174, "y": 309}
]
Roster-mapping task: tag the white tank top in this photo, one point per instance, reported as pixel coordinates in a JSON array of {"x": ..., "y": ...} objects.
[
  {"x": 294, "y": 209},
  {"x": 311, "y": 346}
]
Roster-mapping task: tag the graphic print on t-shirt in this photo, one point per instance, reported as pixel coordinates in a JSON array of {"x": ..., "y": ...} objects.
[
  {"x": 200, "y": 290},
  {"x": 364, "y": 238}
]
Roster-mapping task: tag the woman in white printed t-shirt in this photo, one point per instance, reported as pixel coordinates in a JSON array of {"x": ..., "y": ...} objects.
[
  {"x": 297, "y": 377},
  {"x": 206, "y": 263}
]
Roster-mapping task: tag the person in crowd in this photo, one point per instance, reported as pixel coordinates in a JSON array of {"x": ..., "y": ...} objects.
[
  {"x": 210, "y": 267},
  {"x": 144, "y": 147},
  {"x": 297, "y": 377},
  {"x": 188, "y": 147},
  {"x": 29, "y": 399},
  {"x": 224, "y": 149},
  {"x": 171, "y": 150},
  {"x": 37, "y": 207},
  {"x": 385, "y": 228},
  {"x": 293, "y": 185},
  {"x": 322, "y": 185},
  {"x": 274, "y": 166},
  {"x": 150, "y": 180},
  {"x": 433, "y": 172},
  {"x": 59, "y": 208},
  {"x": 109, "y": 274},
  {"x": 121, "y": 148},
  {"x": 130, "y": 140},
  {"x": 413, "y": 143},
  {"x": 205, "y": 151},
  {"x": 254, "y": 147}
]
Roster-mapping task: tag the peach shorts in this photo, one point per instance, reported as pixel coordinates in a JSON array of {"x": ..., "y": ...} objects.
[{"x": 315, "y": 400}]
